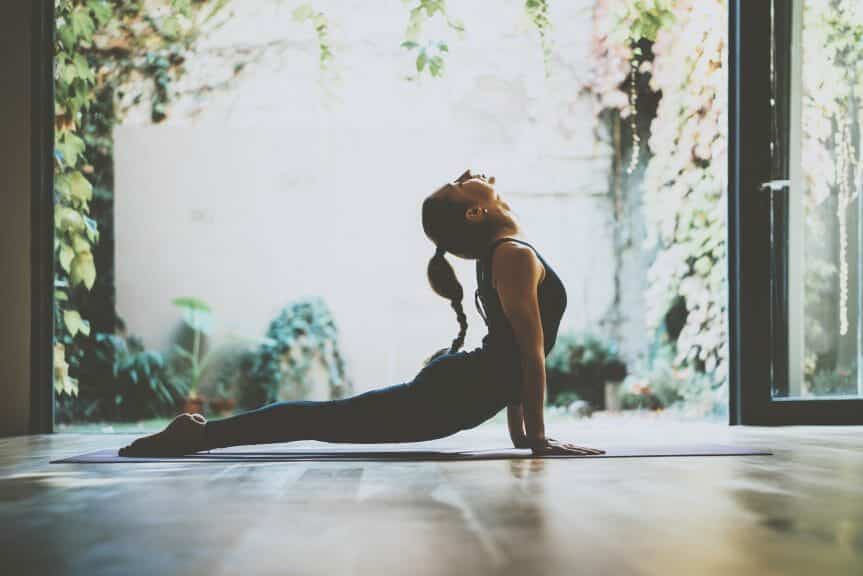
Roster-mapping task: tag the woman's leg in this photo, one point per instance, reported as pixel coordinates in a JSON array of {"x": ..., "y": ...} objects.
[
  {"x": 443, "y": 399},
  {"x": 397, "y": 413}
]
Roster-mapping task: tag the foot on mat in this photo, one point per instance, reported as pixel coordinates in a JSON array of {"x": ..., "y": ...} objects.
[{"x": 184, "y": 435}]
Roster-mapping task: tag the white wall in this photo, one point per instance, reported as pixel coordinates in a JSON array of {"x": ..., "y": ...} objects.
[{"x": 280, "y": 186}]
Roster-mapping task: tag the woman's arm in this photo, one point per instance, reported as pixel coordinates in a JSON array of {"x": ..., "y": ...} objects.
[
  {"x": 515, "y": 422},
  {"x": 517, "y": 272},
  {"x": 517, "y": 276}
]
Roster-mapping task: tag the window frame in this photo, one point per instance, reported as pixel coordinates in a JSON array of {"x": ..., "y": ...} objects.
[
  {"x": 42, "y": 217},
  {"x": 758, "y": 339}
]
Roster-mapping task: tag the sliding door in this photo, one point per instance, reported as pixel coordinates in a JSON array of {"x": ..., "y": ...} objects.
[{"x": 799, "y": 77}]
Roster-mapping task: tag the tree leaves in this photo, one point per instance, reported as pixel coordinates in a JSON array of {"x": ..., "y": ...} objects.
[
  {"x": 79, "y": 187},
  {"x": 66, "y": 255},
  {"x": 429, "y": 54},
  {"x": 303, "y": 13},
  {"x": 197, "y": 314},
  {"x": 84, "y": 29},
  {"x": 83, "y": 270},
  {"x": 75, "y": 324},
  {"x": 70, "y": 147},
  {"x": 306, "y": 12}
]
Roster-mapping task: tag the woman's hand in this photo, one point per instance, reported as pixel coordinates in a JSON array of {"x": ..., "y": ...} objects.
[{"x": 552, "y": 447}]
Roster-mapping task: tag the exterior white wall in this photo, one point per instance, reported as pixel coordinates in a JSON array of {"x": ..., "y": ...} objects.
[{"x": 285, "y": 184}]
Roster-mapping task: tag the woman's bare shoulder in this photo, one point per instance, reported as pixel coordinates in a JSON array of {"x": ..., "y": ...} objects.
[{"x": 513, "y": 259}]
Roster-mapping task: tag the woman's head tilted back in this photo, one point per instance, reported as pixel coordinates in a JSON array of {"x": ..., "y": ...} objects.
[{"x": 462, "y": 217}]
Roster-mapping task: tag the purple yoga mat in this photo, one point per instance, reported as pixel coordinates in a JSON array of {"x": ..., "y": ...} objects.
[{"x": 109, "y": 456}]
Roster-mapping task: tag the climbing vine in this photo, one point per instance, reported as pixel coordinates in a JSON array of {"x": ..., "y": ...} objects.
[
  {"x": 429, "y": 53},
  {"x": 832, "y": 146},
  {"x": 307, "y": 13},
  {"x": 537, "y": 11},
  {"x": 100, "y": 45},
  {"x": 684, "y": 174}
]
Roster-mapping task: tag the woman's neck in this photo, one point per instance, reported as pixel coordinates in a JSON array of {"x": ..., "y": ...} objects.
[{"x": 509, "y": 232}]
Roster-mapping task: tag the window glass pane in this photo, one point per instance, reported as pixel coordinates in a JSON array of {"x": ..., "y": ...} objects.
[{"x": 824, "y": 207}]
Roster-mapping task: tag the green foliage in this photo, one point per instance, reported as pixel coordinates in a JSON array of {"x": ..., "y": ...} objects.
[
  {"x": 307, "y": 13},
  {"x": 100, "y": 45},
  {"x": 197, "y": 317},
  {"x": 574, "y": 352},
  {"x": 429, "y": 53},
  {"x": 659, "y": 383},
  {"x": 429, "y": 56},
  {"x": 303, "y": 334},
  {"x": 641, "y": 20},
  {"x": 841, "y": 381},
  {"x": 564, "y": 398},
  {"x": 582, "y": 364},
  {"x": 537, "y": 11},
  {"x": 121, "y": 380},
  {"x": 684, "y": 178},
  {"x": 644, "y": 400},
  {"x": 832, "y": 173}
]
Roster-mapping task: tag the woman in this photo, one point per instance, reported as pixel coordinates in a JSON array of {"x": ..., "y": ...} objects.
[{"x": 519, "y": 296}]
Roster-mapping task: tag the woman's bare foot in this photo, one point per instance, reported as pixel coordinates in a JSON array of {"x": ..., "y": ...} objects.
[{"x": 184, "y": 435}]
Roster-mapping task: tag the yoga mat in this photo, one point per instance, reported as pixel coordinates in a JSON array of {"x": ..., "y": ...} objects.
[{"x": 109, "y": 456}]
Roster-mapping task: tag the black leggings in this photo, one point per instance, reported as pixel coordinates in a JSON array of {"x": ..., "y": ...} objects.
[{"x": 453, "y": 392}]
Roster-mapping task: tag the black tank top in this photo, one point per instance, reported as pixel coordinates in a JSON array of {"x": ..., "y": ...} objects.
[{"x": 500, "y": 339}]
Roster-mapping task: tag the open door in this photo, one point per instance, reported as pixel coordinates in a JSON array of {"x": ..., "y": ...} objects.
[{"x": 796, "y": 242}]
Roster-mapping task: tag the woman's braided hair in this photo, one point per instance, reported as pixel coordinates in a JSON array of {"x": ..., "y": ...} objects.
[{"x": 444, "y": 223}]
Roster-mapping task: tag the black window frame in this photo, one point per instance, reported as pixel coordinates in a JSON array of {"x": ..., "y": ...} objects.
[
  {"x": 42, "y": 217},
  {"x": 760, "y": 32}
]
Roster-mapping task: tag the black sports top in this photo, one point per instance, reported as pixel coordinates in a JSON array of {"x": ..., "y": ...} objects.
[{"x": 500, "y": 339}]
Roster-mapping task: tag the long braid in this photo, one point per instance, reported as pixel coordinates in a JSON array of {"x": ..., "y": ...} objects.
[
  {"x": 458, "y": 342},
  {"x": 444, "y": 282}
]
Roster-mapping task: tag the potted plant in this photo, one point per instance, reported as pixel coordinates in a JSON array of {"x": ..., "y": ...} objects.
[
  {"x": 197, "y": 317},
  {"x": 588, "y": 366}
]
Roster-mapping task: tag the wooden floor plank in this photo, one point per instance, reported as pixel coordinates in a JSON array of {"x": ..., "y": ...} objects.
[{"x": 797, "y": 512}]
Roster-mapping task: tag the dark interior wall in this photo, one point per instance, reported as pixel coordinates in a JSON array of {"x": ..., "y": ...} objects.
[{"x": 15, "y": 272}]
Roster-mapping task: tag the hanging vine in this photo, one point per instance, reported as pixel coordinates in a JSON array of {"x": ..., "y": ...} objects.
[
  {"x": 832, "y": 116},
  {"x": 537, "y": 11},
  {"x": 99, "y": 46},
  {"x": 429, "y": 53},
  {"x": 684, "y": 170},
  {"x": 307, "y": 13}
]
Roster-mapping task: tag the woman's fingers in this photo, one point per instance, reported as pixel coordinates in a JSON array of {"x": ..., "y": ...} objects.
[{"x": 556, "y": 447}]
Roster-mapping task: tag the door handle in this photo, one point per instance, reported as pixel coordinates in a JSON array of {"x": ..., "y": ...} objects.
[{"x": 776, "y": 185}]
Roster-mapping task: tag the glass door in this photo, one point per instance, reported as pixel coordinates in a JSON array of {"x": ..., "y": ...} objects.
[
  {"x": 815, "y": 204},
  {"x": 795, "y": 211}
]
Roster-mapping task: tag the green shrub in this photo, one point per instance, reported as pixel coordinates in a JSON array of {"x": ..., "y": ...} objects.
[
  {"x": 119, "y": 379},
  {"x": 564, "y": 398},
  {"x": 189, "y": 364},
  {"x": 640, "y": 401},
  {"x": 302, "y": 334},
  {"x": 582, "y": 364},
  {"x": 835, "y": 382}
]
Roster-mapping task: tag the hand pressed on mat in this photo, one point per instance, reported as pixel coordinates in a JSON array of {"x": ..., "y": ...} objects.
[{"x": 551, "y": 447}]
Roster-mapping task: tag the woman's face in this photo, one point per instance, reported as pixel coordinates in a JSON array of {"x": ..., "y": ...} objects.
[
  {"x": 485, "y": 214},
  {"x": 476, "y": 190}
]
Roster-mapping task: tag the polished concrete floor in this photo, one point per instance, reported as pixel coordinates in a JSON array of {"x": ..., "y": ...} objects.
[{"x": 799, "y": 511}]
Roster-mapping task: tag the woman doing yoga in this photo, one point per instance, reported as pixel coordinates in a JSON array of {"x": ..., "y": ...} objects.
[{"x": 521, "y": 300}]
